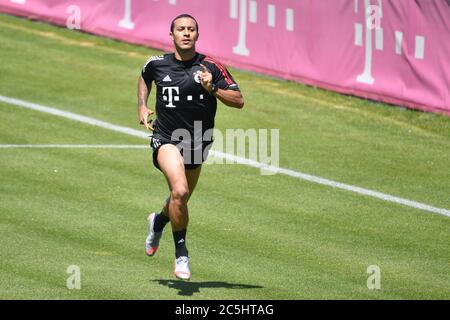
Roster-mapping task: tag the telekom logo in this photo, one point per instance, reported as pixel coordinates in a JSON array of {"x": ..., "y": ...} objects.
[
  {"x": 243, "y": 10},
  {"x": 374, "y": 18},
  {"x": 247, "y": 11},
  {"x": 127, "y": 22},
  {"x": 368, "y": 34}
]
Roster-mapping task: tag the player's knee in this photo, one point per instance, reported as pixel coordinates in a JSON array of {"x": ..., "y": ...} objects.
[{"x": 180, "y": 194}]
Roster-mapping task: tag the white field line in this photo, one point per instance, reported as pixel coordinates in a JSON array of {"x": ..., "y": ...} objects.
[
  {"x": 235, "y": 159},
  {"x": 74, "y": 146}
]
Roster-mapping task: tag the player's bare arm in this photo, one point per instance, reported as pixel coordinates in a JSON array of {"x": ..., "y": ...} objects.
[
  {"x": 231, "y": 98},
  {"x": 143, "y": 111}
]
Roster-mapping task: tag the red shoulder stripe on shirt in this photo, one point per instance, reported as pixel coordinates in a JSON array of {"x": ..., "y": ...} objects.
[{"x": 221, "y": 68}]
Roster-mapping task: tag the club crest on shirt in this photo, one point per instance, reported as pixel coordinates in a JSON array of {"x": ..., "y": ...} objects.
[{"x": 197, "y": 76}]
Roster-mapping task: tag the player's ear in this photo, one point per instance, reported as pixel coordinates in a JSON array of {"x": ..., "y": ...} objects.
[
  {"x": 171, "y": 36},
  {"x": 196, "y": 36}
]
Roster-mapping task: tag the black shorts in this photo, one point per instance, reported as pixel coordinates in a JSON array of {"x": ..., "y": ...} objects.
[{"x": 193, "y": 154}]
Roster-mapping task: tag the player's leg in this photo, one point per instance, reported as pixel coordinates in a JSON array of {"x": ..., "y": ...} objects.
[
  {"x": 168, "y": 159},
  {"x": 157, "y": 222},
  {"x": 172, "y": 165},
  {"x": 192, "y": 176},
  {"x": 182, "y": 270}
]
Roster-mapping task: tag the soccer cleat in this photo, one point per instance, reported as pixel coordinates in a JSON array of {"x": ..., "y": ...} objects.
[
  {"x": 182, "y": 270},
  {"x": 152, "y": 241}
]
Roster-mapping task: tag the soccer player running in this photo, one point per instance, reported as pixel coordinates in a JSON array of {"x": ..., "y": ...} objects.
[{"x": 188, "y": 85}]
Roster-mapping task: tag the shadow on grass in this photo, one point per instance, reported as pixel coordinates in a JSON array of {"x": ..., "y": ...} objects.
[{"x": 188, "y": 288}]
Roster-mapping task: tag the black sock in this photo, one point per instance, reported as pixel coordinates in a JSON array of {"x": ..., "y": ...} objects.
[
  {"x": 179, "y": 238},
  {"x": 160, "y": 222}
]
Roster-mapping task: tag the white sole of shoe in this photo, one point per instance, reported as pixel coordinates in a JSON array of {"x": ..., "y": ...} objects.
[{"x": 185, "y": 276}]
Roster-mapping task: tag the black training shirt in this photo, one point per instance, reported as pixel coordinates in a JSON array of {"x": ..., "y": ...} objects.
[{"x": 180, "y": 98}]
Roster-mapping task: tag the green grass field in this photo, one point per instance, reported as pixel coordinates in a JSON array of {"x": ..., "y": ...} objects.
[{"x": 250, "y": 236}]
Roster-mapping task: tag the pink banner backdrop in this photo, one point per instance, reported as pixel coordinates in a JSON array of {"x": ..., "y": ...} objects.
[{"x": 396, "y": 51}]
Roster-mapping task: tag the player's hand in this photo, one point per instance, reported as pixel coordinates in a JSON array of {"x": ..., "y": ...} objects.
[
  {"x": 144, "y": 114},
  {"x": 206, "y": 78}
]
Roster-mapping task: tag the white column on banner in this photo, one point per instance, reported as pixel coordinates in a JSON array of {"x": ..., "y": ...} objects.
[
  {"x": 289, "y": 19},
  {"x": 378, "y": 30},
  {"x": 271, "y": 13},
  {"x": 126, "y": 22},
  {"x": 398, "y": 42},
  {"x": 420, "y": 48},
  {"x": 241, "y": 13},
  {"x": 366, "y": 76},
  {"x": 253, "y": 12}
]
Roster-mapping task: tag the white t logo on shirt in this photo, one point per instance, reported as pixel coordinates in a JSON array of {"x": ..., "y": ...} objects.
[{"x": 170, "y": 97}]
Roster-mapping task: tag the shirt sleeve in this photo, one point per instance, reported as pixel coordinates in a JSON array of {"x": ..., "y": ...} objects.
[
  {"x": 147, "y": 72},
  {"x": 221, "y": 77}
]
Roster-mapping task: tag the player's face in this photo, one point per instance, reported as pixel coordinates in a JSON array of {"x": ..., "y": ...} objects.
[{"x": 184, "y": 34}]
